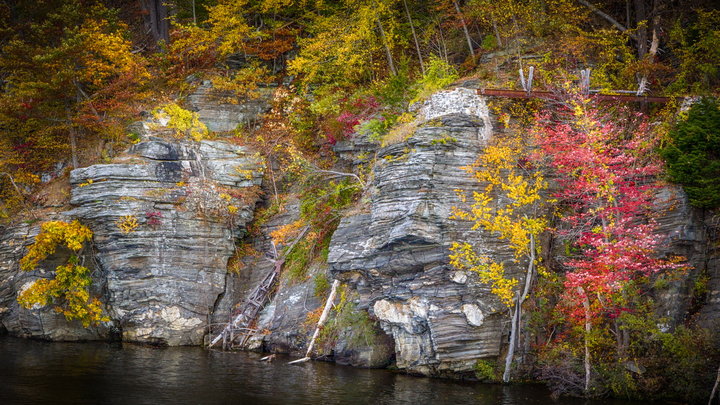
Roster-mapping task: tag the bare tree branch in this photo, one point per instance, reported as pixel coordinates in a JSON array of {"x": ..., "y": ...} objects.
[
  {"x": 17, "y": 189},
  {"x": 607, "y": 17}
]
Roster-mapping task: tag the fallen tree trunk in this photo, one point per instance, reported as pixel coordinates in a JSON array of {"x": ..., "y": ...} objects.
[
  {"x": 715, "y": 387},
  {"x": 321, "y": 322}
]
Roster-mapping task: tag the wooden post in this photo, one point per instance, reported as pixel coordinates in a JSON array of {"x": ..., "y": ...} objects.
[{"x": 531, "y": 70}]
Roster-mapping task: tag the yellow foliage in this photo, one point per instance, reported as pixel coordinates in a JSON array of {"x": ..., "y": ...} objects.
[
  {"x": 463, "y": 257},
  {"x": 184, "y": 122},
  {"x": 509, "y": 205},
  {"x": 53, "y": 234},
  {"x": 107, "y": 54},
  {"x": 344, "y": 48},
  {"x": 127, "y": 223},
  {"x": 68, "y": 290},
  {"x": 286, "y": 232},
  {"x": 247, "y": 174},
  {"x": 501, "y": 171}
]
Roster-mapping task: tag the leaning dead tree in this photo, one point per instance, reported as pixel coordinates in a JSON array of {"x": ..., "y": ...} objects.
[
  {"x": 715, "y": 388},
  {"x": 19, "y": 193},
  {"x": 250, "y": 309},
  {"x": 321, "y": 322}
]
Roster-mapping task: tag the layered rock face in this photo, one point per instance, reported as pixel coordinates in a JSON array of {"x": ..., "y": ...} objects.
[
  {"x": 394, "y": 252},
  {"x": 189, "y": 201},
  {"x": 286, "y": 312},
  {"x": 690, "y": 233},
  {"x": 165, "y": 219},
  {"x": 222, "y": 116}
]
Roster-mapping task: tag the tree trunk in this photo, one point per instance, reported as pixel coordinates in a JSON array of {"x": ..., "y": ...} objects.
[
  {"x": 715, "y": 387},
  {"x": 194, "y": 15},
  {"x": 607, "y": 17},
  {"x": 391, "y": 63},
  {"x": 497, "y": 33},
  {"x": 641, "y": 16},
  {"x": 73, "y": 140},
  {"x": 465, "y": 29},
  {"x": 517, "y": 315},
  {"x": 588, "y": 326},
  {"x": 321, "y": 322},
  {"x": 443, "y": 45},
  {"x": 415, "y": 38},
  {"x": 20, "y": 194},
  {"x": 654, "y": 45},
  {"x": 156, "y": 19},
  {"x": 73, "y": 147}
]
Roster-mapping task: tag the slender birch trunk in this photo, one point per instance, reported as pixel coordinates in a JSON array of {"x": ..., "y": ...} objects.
[
  {"x": 715, "y": 387},
  {"x": 391, "y": 63},
  {"x": 415, "y": 38},
  {"x": 497, "y": 33},
  {"x": 517, "y": 314},
  {"x": 588, "y": 326},
  {"x": 465, "y": 29}
]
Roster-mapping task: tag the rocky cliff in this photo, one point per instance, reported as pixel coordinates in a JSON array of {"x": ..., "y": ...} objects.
[
  {"x": 394, "y": 253},
  {"x": 166, "y": 218}
]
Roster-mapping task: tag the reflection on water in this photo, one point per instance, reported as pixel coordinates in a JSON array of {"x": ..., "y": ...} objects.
[{"x": 34, "y": 372}]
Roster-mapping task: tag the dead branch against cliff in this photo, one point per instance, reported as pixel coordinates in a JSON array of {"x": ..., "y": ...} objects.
[
  {"x": 715, "y": 387},
  {"x": 22, "y": 196},
  {"x": 321, "y": 322}
]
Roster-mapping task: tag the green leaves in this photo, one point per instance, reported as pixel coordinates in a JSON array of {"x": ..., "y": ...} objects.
[{"x": 693, "y": 154}]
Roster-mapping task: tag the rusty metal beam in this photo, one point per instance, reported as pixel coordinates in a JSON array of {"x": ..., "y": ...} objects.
[{"x": 555, "y": 96}]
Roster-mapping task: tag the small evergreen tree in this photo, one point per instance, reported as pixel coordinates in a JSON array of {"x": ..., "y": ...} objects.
[{"x": 693, "y": 154}]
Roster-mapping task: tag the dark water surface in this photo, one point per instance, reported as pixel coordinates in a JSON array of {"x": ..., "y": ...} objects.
[{"x": 33, "y": 372}]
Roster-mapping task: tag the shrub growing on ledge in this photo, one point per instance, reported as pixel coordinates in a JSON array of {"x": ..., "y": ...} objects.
[
  {"x": 68, "y": 290},
  {"x": 692, "y": 155}
]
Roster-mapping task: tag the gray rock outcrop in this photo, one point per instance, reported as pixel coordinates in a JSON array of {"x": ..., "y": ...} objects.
[
  {"x": 394, "y": 251},
  {"x": 220, "y": 114},
  {"x": 165, "y": 218},
  {"x": 189, "y": 201},
  {"x": 41, "y": 323}
]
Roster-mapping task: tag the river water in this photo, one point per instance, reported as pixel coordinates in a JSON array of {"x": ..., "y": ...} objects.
[{"x": 33, "y": 372}]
